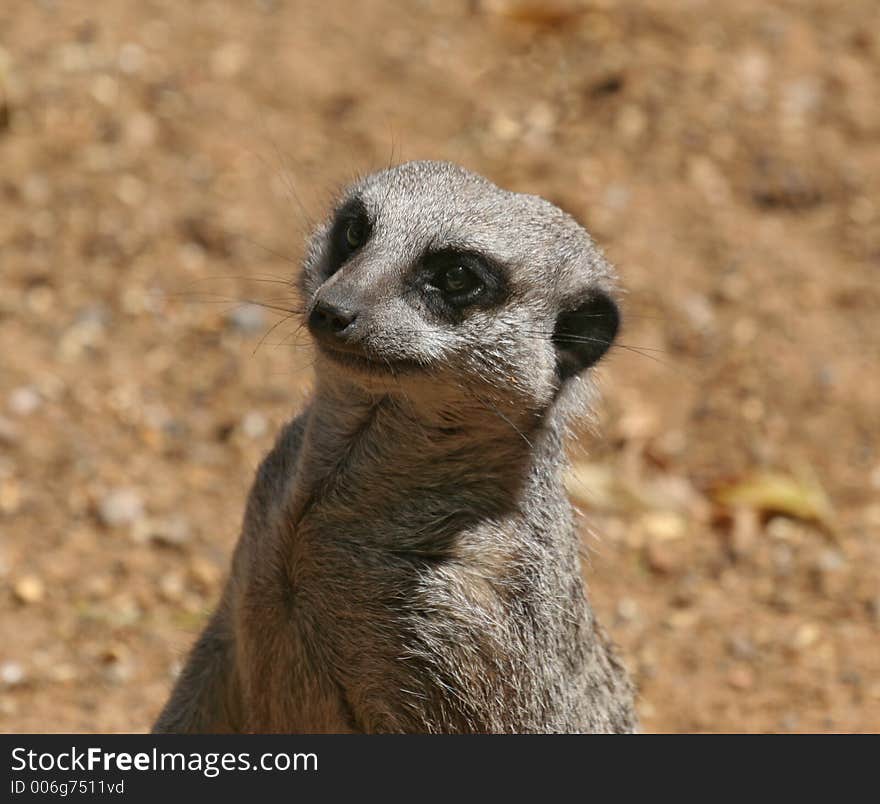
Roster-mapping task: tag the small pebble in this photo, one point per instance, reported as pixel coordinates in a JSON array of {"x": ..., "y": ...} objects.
[
  {"x": 131, "y": 58},
  {"x": 11, "y": 673},
  {"x": 248, "y": 319},
  {"x": 228, "y": 60},
  {"x": 741, "y": 647},
  {"x": 24, "y": 401},
  {"x": 254, "y": 424},
  {"x": 664, "y": 525},
  {"x": 63, "y": 673},
  {"x": 29, "y": 589},
  {"x": 121, "y": 507},
  {"x": 505, "y": 128},
  {"x": 627, "y": 609},
  {"x": 805, "y": 636},
  {"x": 663, "y": 558},
  {"x": 830, "y": 561},
  {"x": 172, "y": 587},
  {"x": 686, "y": 591},
  {"x": 172, "y": 531},
  {"x": 204, "y": 572},
  {"x": 741, "y": 678},
  {"x": 105, "y": 90}
]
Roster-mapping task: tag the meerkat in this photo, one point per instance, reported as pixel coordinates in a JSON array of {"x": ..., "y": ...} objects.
[{"x": 408, "y": 560}]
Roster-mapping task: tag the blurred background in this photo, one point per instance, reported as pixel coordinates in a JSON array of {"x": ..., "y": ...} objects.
[{"x": 159, "y": 160}]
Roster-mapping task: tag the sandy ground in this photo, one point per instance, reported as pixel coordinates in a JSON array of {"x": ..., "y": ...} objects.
[{"x": 158, "y": 158}]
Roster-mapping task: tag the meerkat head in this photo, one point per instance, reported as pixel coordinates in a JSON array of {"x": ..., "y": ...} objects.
[{"x": 428, "y": 277}]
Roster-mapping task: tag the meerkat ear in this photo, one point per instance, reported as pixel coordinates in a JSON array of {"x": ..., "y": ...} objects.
[{"x": 584, "y": 334}]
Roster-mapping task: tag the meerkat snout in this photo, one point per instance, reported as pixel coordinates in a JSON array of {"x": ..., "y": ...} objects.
[{"x": 329, "y": 319}]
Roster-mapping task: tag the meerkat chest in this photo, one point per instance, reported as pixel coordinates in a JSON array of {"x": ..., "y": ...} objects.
[{"x": 411, "y": 578}]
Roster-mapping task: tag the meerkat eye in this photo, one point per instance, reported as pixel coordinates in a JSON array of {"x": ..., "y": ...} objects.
[
  {"x": 349, "y": 233},
  {"x": 458, "y": 279},
  {"x": 356, "y": 234}
]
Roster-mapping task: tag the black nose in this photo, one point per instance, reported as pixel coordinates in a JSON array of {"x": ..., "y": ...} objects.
[{"x": 327, "y": 319}]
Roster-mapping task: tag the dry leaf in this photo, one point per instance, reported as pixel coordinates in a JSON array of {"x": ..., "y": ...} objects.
[{"x": 799, "y": 497}]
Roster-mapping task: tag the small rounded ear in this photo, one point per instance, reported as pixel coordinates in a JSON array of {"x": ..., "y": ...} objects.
[{"x": 583, "y": 335}]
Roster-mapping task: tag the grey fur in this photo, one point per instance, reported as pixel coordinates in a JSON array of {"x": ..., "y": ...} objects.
[{"x": 408, "y": 559}]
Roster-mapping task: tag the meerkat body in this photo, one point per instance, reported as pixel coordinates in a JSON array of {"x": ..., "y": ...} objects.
[{"x": 408, "y": 559}]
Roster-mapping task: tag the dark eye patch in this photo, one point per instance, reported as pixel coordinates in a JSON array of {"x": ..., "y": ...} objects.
[
  {"x": 351, "y": 230},
  {"x": 452, "y": 280}
]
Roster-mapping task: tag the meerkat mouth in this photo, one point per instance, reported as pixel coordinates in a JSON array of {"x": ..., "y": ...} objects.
[{"x": 364, "y": 363}]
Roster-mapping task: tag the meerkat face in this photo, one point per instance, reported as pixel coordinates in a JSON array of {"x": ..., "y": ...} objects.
[{"x": 428, "y": 276}]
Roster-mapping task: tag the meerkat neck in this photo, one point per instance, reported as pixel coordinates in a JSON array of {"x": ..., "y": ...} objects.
[
  {"x": 502, "y": 435},
  {"x": 367, "y": 447}
]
